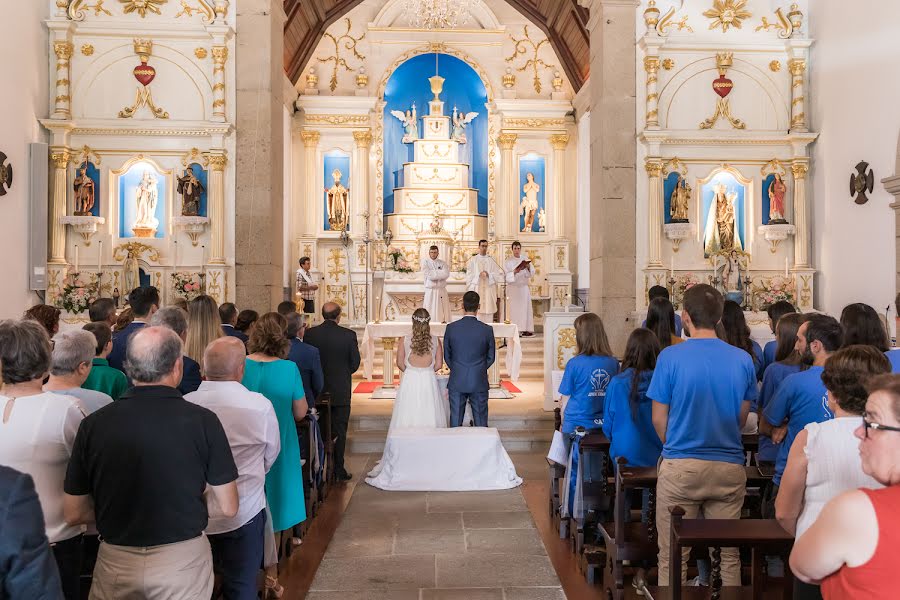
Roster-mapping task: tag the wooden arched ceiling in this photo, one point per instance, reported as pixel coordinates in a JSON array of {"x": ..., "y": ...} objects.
[{"x": 562, "y": 21}]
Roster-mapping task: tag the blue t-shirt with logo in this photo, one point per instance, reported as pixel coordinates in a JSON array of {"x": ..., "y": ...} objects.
[
  {"x": 584, "y": 382},
  {"x": 704, "y": 382},
  {"x": 633, "y": 439},
  {"x": 769, "y": 353},
  {"x": 801, "y": 399},
  {"x": 772, "y": 379},
  {"x": 894, "y": 357}
]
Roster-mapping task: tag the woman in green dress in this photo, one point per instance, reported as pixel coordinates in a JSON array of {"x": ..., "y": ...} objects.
[{"x": 279, "y": 380}]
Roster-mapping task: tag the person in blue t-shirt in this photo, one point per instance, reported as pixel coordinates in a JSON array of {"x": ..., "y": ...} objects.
[
  {"x": 587, "y": 374},
  {"x": 775, "y": 312},
  {"x": 658, "y": 291},
  {"x": 628, "y": 422},
  {"x": 737, "y": 333},
  {"x": 801, "y": 397},
  {"x": 701, "y": 392}
]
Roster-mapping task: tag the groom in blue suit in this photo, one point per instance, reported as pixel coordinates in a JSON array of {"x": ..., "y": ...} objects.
[{"x": 469, "y": 352}]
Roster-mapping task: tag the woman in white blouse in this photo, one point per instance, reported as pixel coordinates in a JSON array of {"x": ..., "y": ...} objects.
[
  {"x": 824, "y": 459},
  {"x": 37, "y": 431}
]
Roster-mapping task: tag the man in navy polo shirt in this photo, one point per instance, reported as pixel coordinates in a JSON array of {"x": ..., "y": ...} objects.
[{"x": 701, "y": 392}]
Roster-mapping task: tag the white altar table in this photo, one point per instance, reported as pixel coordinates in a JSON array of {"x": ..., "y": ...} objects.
[{"x": 391, "y": 331}]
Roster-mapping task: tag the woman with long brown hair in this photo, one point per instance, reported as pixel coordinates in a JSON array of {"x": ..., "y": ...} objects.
[
  {"x": 420, "y": 402},
  {"x": 204, "y": 326},
  {"x": 583, "y": 385}
]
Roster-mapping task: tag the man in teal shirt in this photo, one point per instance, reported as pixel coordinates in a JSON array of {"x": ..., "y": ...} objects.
[{"x": 104, "y": 378}]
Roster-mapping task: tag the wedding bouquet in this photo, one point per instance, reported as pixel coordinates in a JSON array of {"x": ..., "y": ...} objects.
[
  {"x": 774, "y": 290},
  {"x": 398, "y": 260},
  {"x": 185, "y": 286},
  {"x": 77, "y": 295}
]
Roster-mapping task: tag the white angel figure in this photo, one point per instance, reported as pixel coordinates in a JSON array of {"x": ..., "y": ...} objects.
[
  {"x": 410, "y": 122},
  {"x": 460, "y": 120}
]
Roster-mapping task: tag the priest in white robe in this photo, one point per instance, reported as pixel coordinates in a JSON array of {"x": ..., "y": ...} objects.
[
  {"x": 435, "y": 272},
  {"x": 482, "y": 276},
  {"x": 519, "y": 272}
]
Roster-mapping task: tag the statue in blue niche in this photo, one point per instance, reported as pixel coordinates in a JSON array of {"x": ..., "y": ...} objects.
[
  {"x": 460, "y": 120},
  {"x": 410, "y": 122},
  {"x": 190, "y": 189},
  {"x": 83, "y": 186}
]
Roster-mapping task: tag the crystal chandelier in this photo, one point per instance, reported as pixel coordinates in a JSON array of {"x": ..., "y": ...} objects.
[{"x": 437, "y": 14}]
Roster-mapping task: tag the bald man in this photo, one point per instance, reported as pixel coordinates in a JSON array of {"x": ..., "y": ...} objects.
[
  {"x": 339, "y": 353},
  {"x": 252, "y": 429}
]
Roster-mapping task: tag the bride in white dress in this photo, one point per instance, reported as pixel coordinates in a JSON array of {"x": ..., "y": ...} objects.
[{"x": 420, "y": 401}]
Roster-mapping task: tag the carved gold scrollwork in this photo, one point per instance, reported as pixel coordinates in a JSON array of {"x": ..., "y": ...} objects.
[
  {"x": 350, "y": 43},
  {"x": 135, "y": 250},
  {"x": 142, "y": 6},
  {"x": 565, "y": 341},
  {"x": 535, "y": 63}
]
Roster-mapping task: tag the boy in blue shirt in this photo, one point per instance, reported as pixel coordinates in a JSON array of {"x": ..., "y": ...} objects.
[{"x": 701, "y": 391}]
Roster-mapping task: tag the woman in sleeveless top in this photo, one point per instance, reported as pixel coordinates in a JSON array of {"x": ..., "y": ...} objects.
[
  {"x": 824, "y": 459},
  {"x": 853, "y": 548},
  {"x": 420, "y": 402}
]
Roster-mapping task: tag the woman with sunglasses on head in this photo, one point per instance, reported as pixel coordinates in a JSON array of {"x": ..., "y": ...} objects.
[{"x": 853, "y": 548}]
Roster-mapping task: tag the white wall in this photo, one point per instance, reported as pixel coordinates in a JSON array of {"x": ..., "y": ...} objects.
[
  {"x": 23, "y": 96},
  {"x": 855, "y": 94}
]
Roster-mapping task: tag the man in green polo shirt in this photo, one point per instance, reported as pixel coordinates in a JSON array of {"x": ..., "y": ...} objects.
[{"x": 104, "y": 378}]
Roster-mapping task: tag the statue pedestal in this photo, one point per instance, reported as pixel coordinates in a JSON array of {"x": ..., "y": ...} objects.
[
  {"x": 143, "y": 232},
  {"x": 191, "y": 225},
  {"x": 677, "y": 232},
  {"x": 775, "y": 234},
  {"x": 84, "y": 225}
]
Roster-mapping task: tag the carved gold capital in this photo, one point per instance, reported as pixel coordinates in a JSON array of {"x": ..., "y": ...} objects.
[
  {"x": 217, "y": 162},
  {"x": 797, "y": 66},
  {"x": 799, "y": 170},
  {"x": 507, "y": 140},
  {"x": 220, "y": 54},
  {"x": 61, "y": 157},
  {"x": 559, "y": 141},
  {"x": 651, "y": 64},
  {"x": 310, "y": 138},
  {"x": 654, "y": 168},
  {"x": 363, "y": 139},
  {"x": 63, "y": 50}
]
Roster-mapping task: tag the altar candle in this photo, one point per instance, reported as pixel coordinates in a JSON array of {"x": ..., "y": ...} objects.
[
  {"x": 99, "y": 258},
  {"x": 785, "y": 267},
  {"x": 175, "y": 261},
  {"x": 672, "y": 268},
  {"x": 76, "y": 258}
]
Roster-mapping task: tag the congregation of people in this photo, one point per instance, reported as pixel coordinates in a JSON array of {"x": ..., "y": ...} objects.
[
  {"x": 823, "y": 396},
  {"x": 156, "y": 453}
]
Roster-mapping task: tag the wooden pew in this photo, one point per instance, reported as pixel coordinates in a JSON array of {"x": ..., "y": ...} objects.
[{"x": 596, "y": 494}]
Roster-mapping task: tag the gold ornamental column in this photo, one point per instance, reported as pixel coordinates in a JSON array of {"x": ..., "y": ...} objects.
[
  {"x": 801, "y": 214},
  {"x": 219, "y": 55},
  {"x": 654, "y": 168},
  {"x": 798, "y": 100},
  {"x": 217, "y": 164},
  {"x": 60, "y": 157},
  {"x": 311, "y": 142},
  {"x": 359, "y": 200},
  {"x": 559, "y": 142},
  {"x": 507, "y": 223},
  {"x": 63, "y": 102},
  {"x": 651, "y": 66}
]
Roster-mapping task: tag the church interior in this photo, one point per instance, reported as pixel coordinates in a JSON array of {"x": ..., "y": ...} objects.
[{"x": 601, "y": 148}]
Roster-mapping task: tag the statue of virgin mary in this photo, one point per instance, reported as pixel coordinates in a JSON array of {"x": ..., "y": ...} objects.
[{"x": 721, "y": 231}]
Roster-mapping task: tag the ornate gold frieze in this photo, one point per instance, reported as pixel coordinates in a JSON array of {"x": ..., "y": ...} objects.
[
  {"x": 534, "y": 123},
  {"x": 727, "y": 13},
  {"x": 535, "y": 62},
  {"x": 352, "y": 120},
  {"x": 349, "y": 43}
]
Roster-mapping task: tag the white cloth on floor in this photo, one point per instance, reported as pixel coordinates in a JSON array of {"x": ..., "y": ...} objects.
[
  {"x": 444, "y": 460},
  {"x": 420, "y": 400}
]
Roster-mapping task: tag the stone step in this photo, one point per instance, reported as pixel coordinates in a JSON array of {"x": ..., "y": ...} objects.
[{"x": 359, "y": 442}]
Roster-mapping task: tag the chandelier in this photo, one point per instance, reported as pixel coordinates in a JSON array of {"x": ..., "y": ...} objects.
[{"x": 437, "y": 14}]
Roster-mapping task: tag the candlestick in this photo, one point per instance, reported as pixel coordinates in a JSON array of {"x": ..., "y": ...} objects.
[
  {"x": 672, "y": 267},
  {"x": 76, "y": 258},
  {"x": 785, "y": 267},
  {"x": 175, "y": 260},
  {"x": 99, "y": 257}
]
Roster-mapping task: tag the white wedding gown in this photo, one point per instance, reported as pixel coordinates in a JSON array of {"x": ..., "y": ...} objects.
[{"x": 420, "y": 401}]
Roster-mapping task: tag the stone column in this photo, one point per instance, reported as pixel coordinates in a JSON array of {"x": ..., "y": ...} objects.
[
  {"x": 798, "y": 100},
  {"x": 654, "y": 168},
  {"x": 801, "y": 214},
  {"x": 63, "y": 102},
  {"x": 559, "y": 142},
  {"x": 60, "y": 158},
  {"x": 613, "y": 162},
  {"x": 219, "y": 56},
  {"x": 507, "y": 224},
  {"x": 259, "y": 163},
  {"x": 217, "y": 162},
  {"x": 651, "y": 66},
  {"x": 359, "y": 196},
  {"x": 311, "y": 197}
]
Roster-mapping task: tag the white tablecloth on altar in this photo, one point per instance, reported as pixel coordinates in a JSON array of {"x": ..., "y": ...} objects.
[
  {"x": 399, "y": 329},
  {"x": 444, "y": 460}
]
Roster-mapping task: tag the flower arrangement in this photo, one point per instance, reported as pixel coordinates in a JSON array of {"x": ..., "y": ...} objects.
[
  {"x": 186, "y": 286},
  {"x": 77, "y": 295},
  {"x": 682, "y": 284},
  {"x": 774, "y": 290},
  {"x": 398, "y": 260}
]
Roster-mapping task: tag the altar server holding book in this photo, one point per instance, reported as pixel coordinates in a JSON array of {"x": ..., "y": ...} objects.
[{"x": 519, "y": 272}]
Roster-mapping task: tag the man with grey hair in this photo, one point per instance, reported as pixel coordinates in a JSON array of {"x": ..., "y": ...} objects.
[
  {"x": 70, "y": 365},
  {"x": 252, "y": 429},
  {"x": 155, "y": 468},
  {"x": 306, "y": 358},
  {"x": 176, "y": 319}
]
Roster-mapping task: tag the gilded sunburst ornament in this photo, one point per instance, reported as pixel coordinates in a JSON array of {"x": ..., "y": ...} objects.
[
  {"x": 142, "y": 6},
  {"x": 727, "y": 13}
]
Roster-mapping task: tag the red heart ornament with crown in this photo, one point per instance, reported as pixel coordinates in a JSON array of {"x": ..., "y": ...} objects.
[
  {"x": 144, "y": 73},
  {"x": 722, "y": 86}
]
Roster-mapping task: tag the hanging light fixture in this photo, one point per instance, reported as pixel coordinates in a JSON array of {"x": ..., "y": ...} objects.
[{"x": 437, "y": 14}]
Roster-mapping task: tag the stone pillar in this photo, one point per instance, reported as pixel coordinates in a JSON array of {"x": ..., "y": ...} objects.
[
  {"x": 613, "y": 161},
  {"x": 259, "y": 155},
  {"x": 359, "y": 196},
  {"x": 60, "y": 158},
  {"x": 559, "y": 142},
  {"x": 651, "y": 66},
  {"x": 801, "y": 214},
  {"x": 217, "y": 162},
  {"x": 798, "y": 100},
  {"x": 219, "y": 56},
  {"x": 63, "y": 102},
  {"x": 311, "y": 195},
  {"x": 655, "y": 220},
  {"x": 507, "y": 223}
]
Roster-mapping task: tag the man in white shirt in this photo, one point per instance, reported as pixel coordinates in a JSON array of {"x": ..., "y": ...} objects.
[
  {"x": 519, "y": 272},
  {"x": 252, "y": 429},
  {"x": 435, "y": 272},
  {"x": 482, "y": 276},
  {"x": 306, "y": 285},
  {"x": 70, "y": 365}
]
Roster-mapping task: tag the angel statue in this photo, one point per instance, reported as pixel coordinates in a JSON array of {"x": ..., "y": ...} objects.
[
  {"x": 460, "y": 120},
  {"x": 410, "y": 122}
]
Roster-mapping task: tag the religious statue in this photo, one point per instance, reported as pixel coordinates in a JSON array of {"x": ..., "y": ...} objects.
[
  {"x": 190, "y": 189},
  {"x": 131, "y": 271},
  {"x": 721, "y": 231},
  {"x": 116, "y": 297},
  {"x": 410, "y": 123},
  {"x": 529, "y": 204},
  {"x": 777, "y": 190},
  {"x": 679, "y": 201},
  {"x": 459, "y": 121},
  {"x": 338, "y": 201},
  {"x": 731, "y": 272},
  {"x": 146, "y": 197},
  {"x": 84, "y": 192},
  {"x": 542, "y": 221}
]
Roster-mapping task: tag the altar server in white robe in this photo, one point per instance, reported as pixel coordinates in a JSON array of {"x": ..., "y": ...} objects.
[
  {"x": 482, "y": 276},
  {"x": 519, "y": 272},
  {"x": 435, "y": 272}
]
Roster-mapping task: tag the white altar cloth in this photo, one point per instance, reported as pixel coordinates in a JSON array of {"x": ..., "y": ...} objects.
[
  {"x": 457, "y": 459},
  {"x": 399, "y": 329}
]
